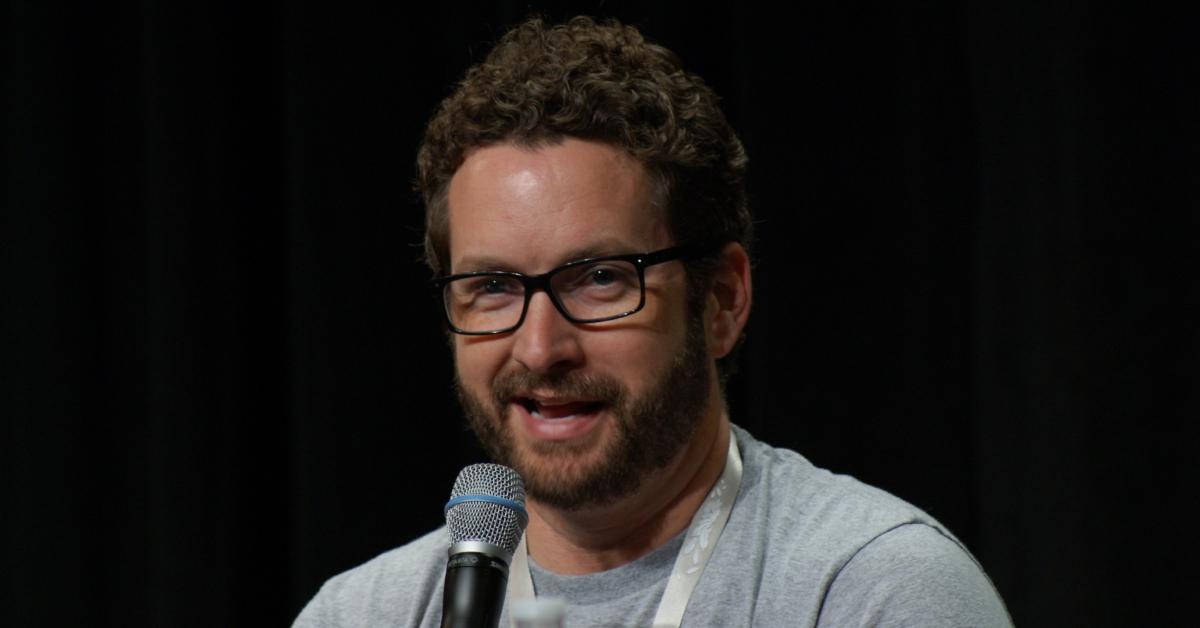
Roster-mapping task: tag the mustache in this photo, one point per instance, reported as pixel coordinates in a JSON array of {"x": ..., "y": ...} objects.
[{"x": 594, "y": 387}]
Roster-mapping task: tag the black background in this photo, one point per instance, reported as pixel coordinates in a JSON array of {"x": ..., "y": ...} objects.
[{"x": 224, "y": 380}]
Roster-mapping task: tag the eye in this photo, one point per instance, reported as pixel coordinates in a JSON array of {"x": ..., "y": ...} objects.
[
  {"x": 601, "y": 276},
  {"x": 486, "y": 286},
  {"x": 605, "y": 278},
  {"x": 492, "y": 286}
]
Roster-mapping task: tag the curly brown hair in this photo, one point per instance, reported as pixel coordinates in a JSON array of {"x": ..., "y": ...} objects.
[{"x": 598, "y": 81}]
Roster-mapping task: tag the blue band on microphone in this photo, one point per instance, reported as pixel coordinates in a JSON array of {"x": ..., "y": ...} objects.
[{"x": 514, "y": 506}]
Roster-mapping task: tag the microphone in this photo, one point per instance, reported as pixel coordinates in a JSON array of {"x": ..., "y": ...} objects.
[{"x": 485, "y": 517}]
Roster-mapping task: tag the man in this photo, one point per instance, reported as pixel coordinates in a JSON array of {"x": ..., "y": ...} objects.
[{"x": 587, "y": 221}]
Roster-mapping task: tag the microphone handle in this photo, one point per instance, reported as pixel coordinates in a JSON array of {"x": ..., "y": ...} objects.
[{"x": 474, "y": 591}]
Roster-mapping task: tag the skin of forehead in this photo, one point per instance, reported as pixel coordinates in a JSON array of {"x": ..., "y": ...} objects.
[{"x": 549, "y": 191}]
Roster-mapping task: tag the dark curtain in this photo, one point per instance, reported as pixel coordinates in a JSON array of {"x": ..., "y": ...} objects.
[{"x": 224, "y": 378}]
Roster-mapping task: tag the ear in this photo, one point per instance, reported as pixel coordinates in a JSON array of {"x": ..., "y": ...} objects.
[{"x": 728, "y": 304}]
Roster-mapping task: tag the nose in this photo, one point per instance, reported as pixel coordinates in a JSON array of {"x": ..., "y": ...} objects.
[{"x": 546, "y": 342}]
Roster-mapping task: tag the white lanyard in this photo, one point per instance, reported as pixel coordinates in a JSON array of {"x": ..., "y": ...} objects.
[{"x": 698, "y": 545}]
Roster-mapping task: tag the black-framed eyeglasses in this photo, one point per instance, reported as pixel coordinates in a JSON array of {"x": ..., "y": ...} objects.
[{"x": 591, "y": 290}]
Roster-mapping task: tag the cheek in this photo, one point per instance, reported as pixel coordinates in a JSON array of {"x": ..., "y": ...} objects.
[
  {"x": 647, "y": 344},
  {"x": 635, "y": 358},
  {"x": 476, "y": 362}
]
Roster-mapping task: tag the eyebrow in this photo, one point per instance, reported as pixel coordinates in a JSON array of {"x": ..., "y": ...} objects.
[{"x": 480, "y": 263}]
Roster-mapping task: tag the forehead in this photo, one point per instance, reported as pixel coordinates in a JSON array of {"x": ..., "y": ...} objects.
[{"x": 534, "y": 208}]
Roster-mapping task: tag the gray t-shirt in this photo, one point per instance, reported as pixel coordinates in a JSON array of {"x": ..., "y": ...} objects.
[{"x": 803, "y": 547}]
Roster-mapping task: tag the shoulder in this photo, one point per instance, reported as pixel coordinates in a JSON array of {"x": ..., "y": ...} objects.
[
  {"x": 912, "y": 574},
  {"x": 844, "y": 546},
  {"x": 397, "y": 587},
  {"x": 834, "y": 511}
]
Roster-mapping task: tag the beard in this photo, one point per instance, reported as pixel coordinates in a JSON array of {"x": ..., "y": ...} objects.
[{"x": 648, "y": 431}]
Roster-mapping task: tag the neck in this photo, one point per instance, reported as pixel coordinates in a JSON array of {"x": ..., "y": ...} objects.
[{"x": 595, "y": 539}]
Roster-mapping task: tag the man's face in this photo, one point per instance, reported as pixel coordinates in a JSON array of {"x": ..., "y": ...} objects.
[{"x": 582, "y": 411}]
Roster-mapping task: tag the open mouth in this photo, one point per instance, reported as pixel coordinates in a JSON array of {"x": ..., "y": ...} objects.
[{"x": 557, "y": 410}]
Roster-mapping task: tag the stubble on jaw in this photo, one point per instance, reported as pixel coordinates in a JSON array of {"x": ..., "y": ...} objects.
[{"x": 647, "y": 431}]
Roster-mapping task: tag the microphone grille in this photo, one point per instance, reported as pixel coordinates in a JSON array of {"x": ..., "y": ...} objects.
[{"x": 489, "y": 520}]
